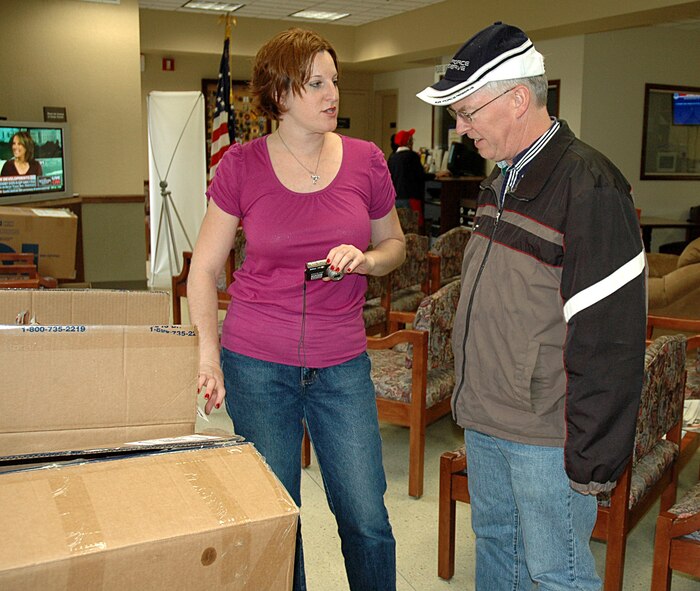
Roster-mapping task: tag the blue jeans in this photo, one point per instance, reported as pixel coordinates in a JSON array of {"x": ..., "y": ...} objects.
[
  {"x": 532, "y": 529},
  {"x": 267, "y": 402}
]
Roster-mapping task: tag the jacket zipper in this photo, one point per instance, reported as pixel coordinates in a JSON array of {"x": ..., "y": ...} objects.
[{"x": 471, "y": 302}]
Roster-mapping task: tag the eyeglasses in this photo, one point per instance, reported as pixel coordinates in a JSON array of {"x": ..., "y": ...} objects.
[{"x": 469, "y": 117}]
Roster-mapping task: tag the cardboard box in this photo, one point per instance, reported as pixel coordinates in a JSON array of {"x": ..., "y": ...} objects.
[
  {"x": 197, "y": 520},
  {"x": 77, "y": 386},
  {"x": 50, "y": 234},
  {"x": 89, "y": 306}
]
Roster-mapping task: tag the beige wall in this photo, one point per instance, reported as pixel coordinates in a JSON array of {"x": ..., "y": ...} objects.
[
  {"x": 617, "y": 66},
  {"x": 412, "y": 113},
  {"x": 189, "y": 71},
  {"x": 85, "y": 57},
  {"x": 114, "y": 243},
  {"x": 563, "y": 61}
]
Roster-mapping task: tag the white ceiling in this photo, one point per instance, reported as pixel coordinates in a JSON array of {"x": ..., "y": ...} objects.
[{"x": 361, "y": 11}]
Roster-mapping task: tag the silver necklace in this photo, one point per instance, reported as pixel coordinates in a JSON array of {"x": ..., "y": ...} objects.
[{"x": 314, "y": 177}]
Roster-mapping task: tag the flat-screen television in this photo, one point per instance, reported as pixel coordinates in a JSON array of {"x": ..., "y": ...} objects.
[
  {"x": 464, "y": 160},
  {"x": 34, "y": 162},
  {"x": 686, "y": 108}
]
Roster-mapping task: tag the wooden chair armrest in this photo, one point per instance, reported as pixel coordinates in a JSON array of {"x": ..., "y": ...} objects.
[
  {"x": 25, "y": 257},
  {"x": 19, "y": 283},
  {"x": 457, "y": 460},
  {"x": 19, "y": 269},
  {"x": 182, "y": 277},
  {"x": 681, "y": 324},
  {"x": 397, "y": 320},
  {"x": 682, "y": 526},
  {"x": 48, "y": 282},
  {"x": 414, "y": 337}
]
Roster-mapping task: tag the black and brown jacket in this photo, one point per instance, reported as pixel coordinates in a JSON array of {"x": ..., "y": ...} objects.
[{"x": 550, "y": 328}]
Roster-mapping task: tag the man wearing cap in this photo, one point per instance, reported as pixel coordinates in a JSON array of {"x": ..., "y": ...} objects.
[
  {"x": 549, "y": 332},
  {"x": 407, "y": 173}
]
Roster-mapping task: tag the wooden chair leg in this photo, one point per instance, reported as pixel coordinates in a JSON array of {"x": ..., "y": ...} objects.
[
  {"x": 177, "y": 307},
  {"x": 305, "y": 449},
  {"x": 446, "y": 521},
  {"x": 617, "y": 533},
  {"x": 416, "y": 452},
  {"x": 661, "y": 573},
  {"x": 417, "y": 418},
  {"x": 416, "y": 458},
  {"x": 689, "y": 445}
]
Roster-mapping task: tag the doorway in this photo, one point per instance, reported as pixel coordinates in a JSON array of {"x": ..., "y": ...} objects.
[{"x": 385, "y": 109}]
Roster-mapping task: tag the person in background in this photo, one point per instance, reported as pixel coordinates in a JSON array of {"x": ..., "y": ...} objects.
[
  {"x": 408, "y": 174},
  {"x": 23, "y": 162},
  {"x": 550, "y": 326},
  {"x": 293, "y": 348},
  {"x": 392, "y": 141}
]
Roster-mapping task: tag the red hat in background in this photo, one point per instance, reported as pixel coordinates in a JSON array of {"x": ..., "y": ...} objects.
[{"x": 402, "y": 137}]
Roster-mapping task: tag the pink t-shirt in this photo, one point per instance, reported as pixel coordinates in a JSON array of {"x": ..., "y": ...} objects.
[{"x": 284, "y": 230}]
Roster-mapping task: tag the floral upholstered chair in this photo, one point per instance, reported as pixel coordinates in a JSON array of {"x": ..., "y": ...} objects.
[
  {"x": 375, "y": 311},
  {"x": 414, "y": 384},
  {"x": 409, "y": 220},
  {"x": 653, "y": 471},
  {"x": 445, "y": 256},
  {"x": 677, "y": 543},
  {"x": 410, "y": 283},
  {"x": 691, "y": 413}
]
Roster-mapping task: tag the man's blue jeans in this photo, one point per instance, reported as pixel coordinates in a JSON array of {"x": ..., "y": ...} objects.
[
  {"x": 267, "y": 401},
  {"x": 532, "y": 529}
]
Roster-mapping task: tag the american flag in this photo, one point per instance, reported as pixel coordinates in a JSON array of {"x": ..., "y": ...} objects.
[{"x": 222, "y": 129}]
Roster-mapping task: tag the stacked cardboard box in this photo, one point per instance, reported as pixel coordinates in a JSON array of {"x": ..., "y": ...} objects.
[
  {"x": 201, "y": 519},
  {"x": 75, "y": 386},
  {"x": 212, "y": 516},
  {"x": 70, "y": 383},
  {"x": 83, "y": 306},
  {"x": 49, "y": 234}
]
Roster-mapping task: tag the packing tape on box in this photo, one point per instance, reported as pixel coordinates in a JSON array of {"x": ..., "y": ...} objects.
[
  {"x": 227, "y": 510},
  {"x": 81, "y": 527},
  {"x": 220, "y": 502}
]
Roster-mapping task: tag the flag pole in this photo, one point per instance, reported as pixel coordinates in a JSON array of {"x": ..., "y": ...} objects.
[
  {"x": 230, "y": 22},
  {"x": 223, "y": 134}
]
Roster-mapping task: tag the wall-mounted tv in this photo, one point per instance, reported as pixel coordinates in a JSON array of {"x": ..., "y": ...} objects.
[
  {"x": 686, "y": 108},
  {"x": 34, "y": 162}
]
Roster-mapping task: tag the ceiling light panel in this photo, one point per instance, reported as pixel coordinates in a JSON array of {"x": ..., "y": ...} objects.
[
  {"x": 212, "y": 6},
  {"x": 320, "y": 15},
  {"x": 360, "y": 11}
]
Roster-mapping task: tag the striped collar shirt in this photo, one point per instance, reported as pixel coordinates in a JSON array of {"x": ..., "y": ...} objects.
[{"x": 515, "y": 171}]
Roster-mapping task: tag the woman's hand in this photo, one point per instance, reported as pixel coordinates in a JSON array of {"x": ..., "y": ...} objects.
[
  {"x": 210, "y": 383},
  {"x": 346, "y": 258}
]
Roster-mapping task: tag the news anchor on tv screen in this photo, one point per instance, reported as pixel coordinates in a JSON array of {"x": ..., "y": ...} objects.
[{"x": 23, "y": 161}]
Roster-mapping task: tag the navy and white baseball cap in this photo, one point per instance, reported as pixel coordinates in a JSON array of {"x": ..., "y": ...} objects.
[{"x": 499, "y": 52}]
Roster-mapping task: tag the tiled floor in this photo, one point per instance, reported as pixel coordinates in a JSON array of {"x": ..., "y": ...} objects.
[{"x": 415, "y": 523}]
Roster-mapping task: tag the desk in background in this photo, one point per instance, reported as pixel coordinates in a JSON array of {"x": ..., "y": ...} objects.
[
  {"x": 453, "y": 197},
  {"x": 648, "y": 223}
]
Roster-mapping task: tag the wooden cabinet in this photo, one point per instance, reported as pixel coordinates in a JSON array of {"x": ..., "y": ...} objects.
[{"x": 451, "y": 202}]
